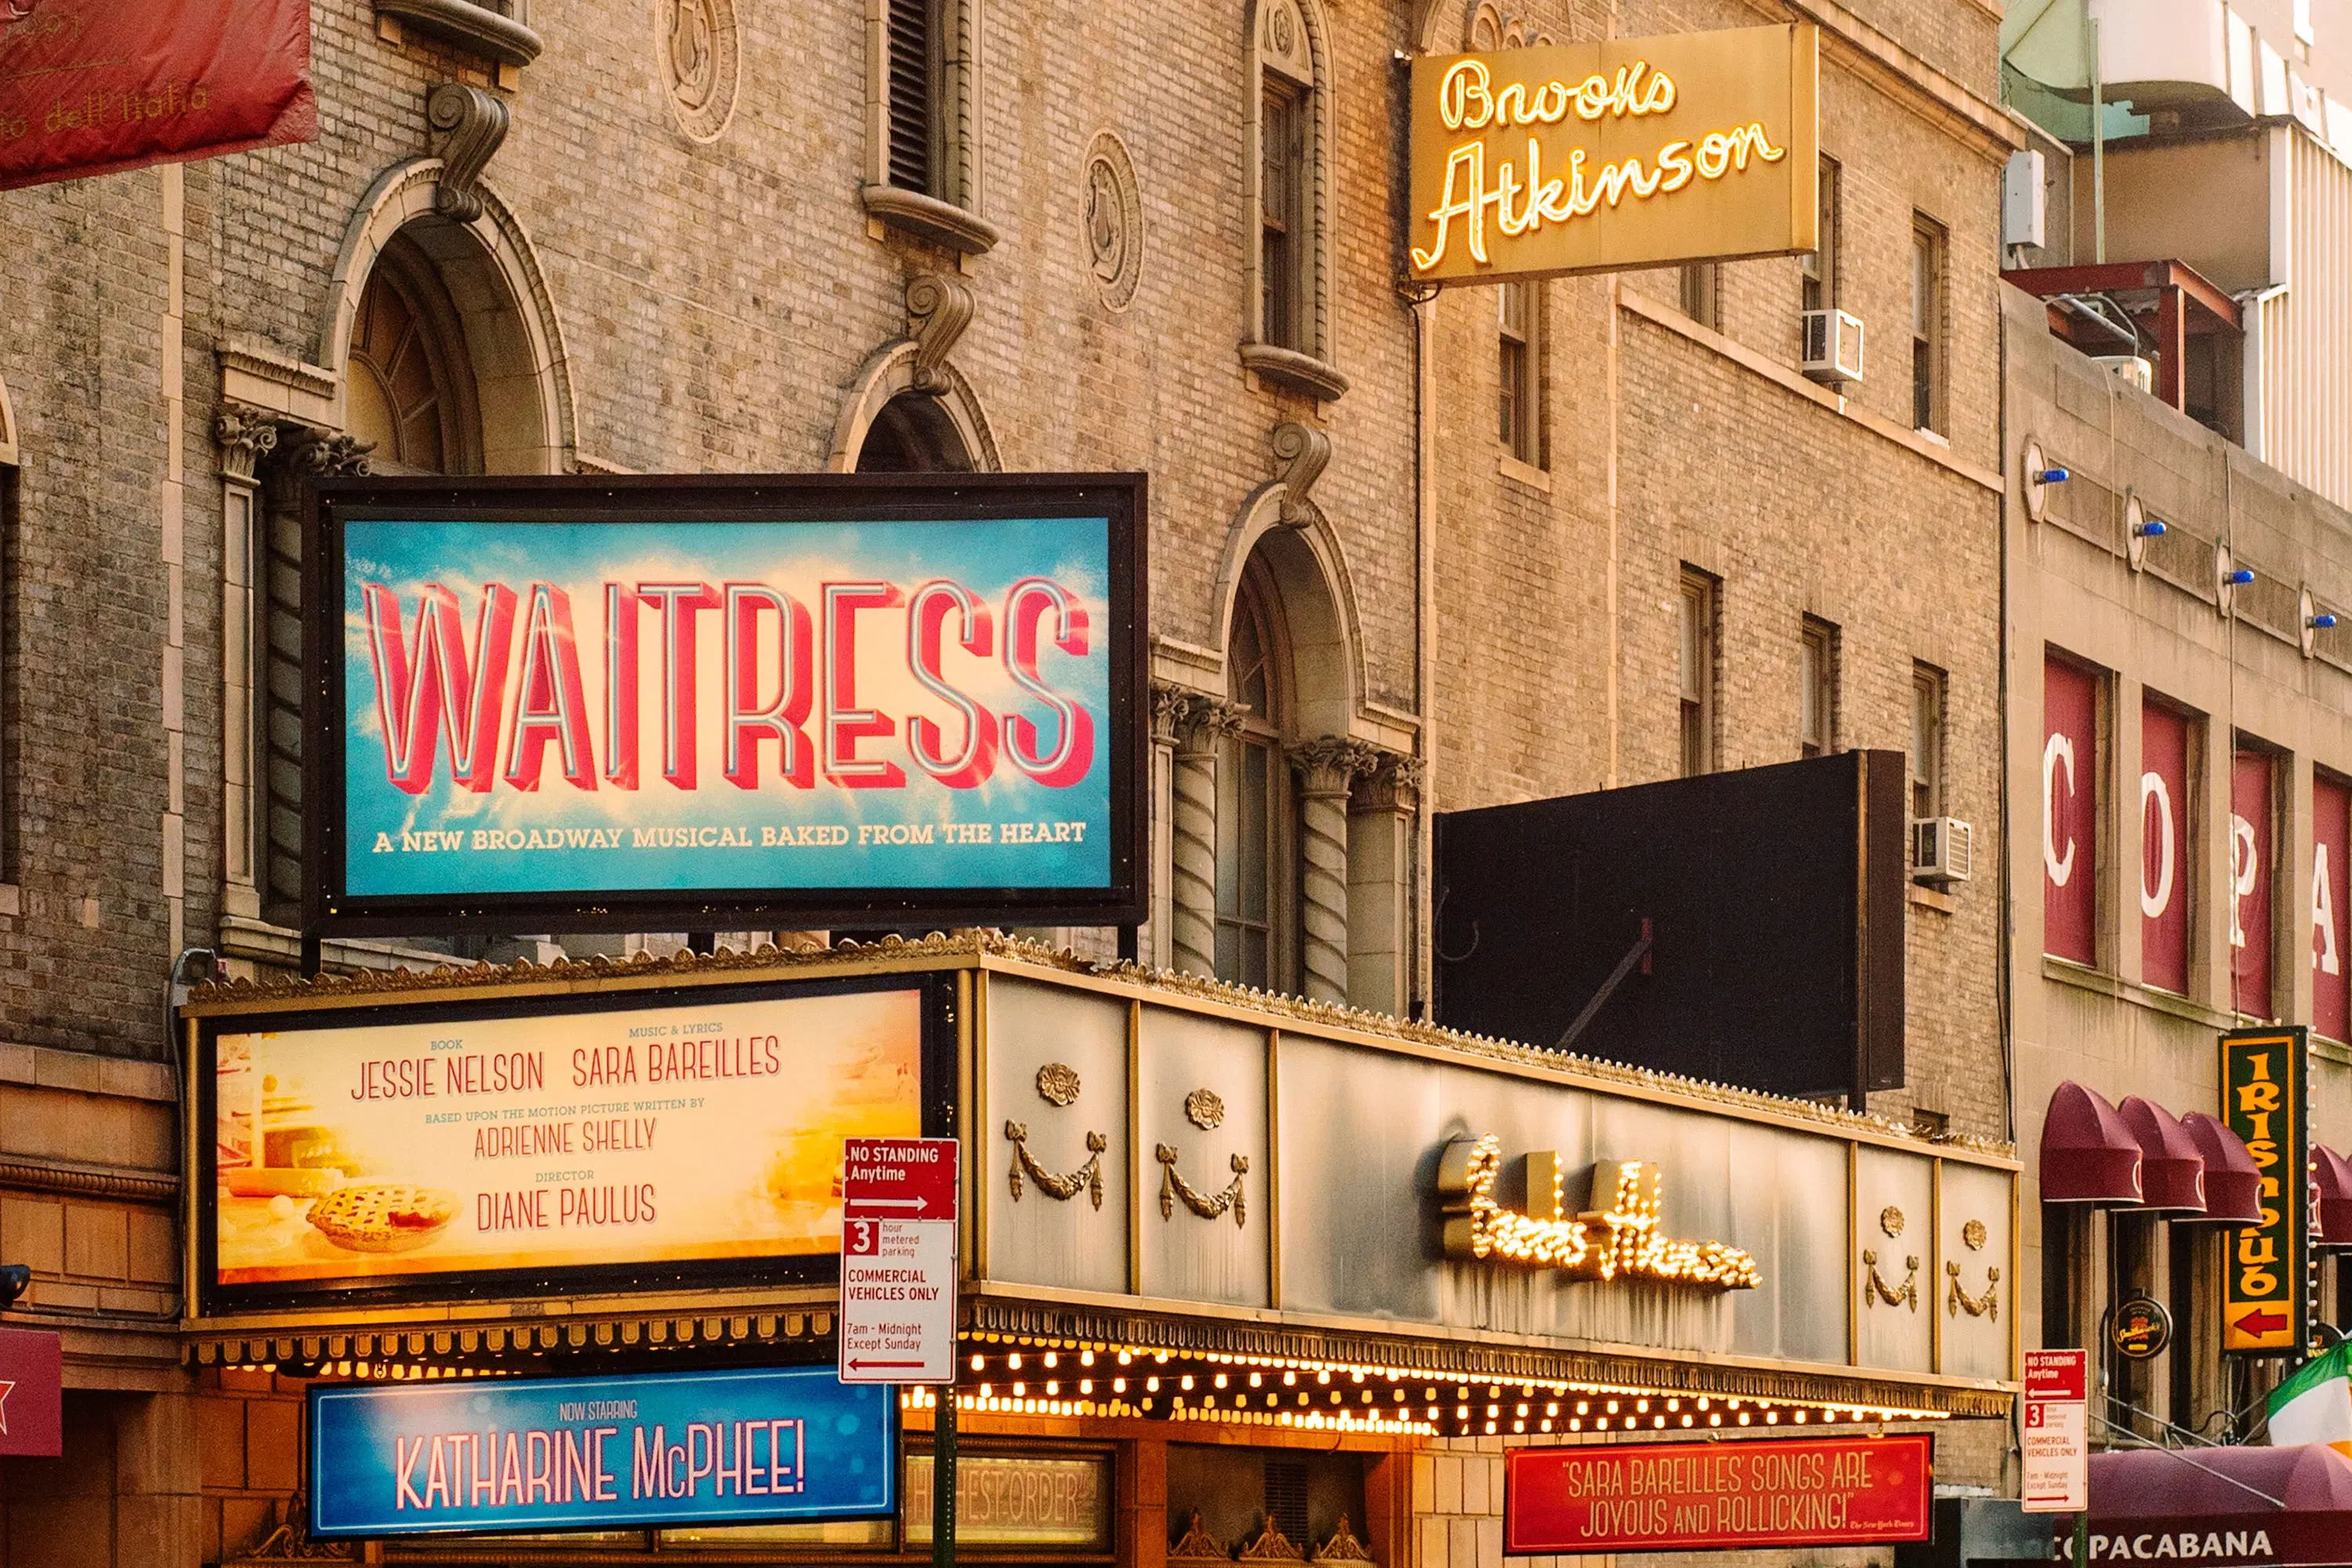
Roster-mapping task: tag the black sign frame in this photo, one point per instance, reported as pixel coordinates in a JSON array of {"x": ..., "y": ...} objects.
[
  {"x": 327, "y": 909},
  {"x": 939, "y": 1100}
]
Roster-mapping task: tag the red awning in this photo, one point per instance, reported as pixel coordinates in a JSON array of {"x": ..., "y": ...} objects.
[
  {"x": 2224, "y": 1507},
  {"x": 2171, "y": 1170},
  {"x": 2234, "y": 1185},
  {"x": 2088, "y": 1155},
  {"x": 2333, "y": 1173}
]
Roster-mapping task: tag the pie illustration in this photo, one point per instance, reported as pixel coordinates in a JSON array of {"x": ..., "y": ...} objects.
[{"x": 383, "y": 1216}]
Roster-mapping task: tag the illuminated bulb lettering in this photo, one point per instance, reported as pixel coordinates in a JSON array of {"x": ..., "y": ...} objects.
[{"x": 1622, "y": 1238}]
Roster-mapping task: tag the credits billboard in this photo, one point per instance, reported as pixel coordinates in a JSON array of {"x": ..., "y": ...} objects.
[
  {"x": 617, "y": 1139},
  {"x": 601, "y": 704}
]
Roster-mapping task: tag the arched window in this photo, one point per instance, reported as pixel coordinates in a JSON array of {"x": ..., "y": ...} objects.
[
  {"x": 1288, "y": 341},
  {"x": 1256, "y": 880},
  {"x": 409, "y": 384},
  {"x": 913, "y": 434}
]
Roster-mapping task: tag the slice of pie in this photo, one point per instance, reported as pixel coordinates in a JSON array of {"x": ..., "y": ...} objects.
[{"x": 383, "y": 1216}]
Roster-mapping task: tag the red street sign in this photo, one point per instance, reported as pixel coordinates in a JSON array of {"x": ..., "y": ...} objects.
[
  {"x": 1684, "y": 1497},
  {"x": 2057, "y": 1375},
  {"x": 898, "y": 1178},
  {"x": 32, "y": 1375}
]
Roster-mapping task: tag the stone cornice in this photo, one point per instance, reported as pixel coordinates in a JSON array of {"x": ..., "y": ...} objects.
[
  {"x": 1294, "y": 372},
  {"x": 470, "y": 26},
  {"x": 929, "y": 218}
]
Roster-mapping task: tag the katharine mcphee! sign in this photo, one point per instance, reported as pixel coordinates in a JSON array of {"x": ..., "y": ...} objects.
[
  {"x": 599, "y": 704},
  {"x": 688, "y": 1133},
  {"x": 1633, "y": 152}
]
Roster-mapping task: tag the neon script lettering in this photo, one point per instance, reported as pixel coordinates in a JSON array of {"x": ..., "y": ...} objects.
[
  {"x": 1518, "y": 197},
  {"x": 504, "y": 697}
]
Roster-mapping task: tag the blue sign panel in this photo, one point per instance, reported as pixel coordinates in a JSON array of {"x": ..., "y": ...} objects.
[{"x": 752, "y": 1445}]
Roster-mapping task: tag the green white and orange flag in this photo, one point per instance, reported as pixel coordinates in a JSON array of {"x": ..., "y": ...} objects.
[{"x": 2315, "y": 1404}]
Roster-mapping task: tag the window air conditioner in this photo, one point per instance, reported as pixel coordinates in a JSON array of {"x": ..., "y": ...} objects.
[
  {"x": 1942, "y": 848},
  {"x": 1832, "y": 346},
  {"x": 2134, "y": 368}
]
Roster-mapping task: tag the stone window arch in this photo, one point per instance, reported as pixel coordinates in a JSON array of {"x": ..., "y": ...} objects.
[
  {"x": 914, "y": 432},
  {"x": 1288, "y": 338},
  {"x": 438, "y": 350}
]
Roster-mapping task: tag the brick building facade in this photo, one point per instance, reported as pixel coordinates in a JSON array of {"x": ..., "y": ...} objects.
[{"x": 627, "y": 236}]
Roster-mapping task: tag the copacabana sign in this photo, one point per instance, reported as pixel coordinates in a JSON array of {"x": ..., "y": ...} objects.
[
  {"x": 1633, "y": 152},
  {"x": 592, "y": 705}
]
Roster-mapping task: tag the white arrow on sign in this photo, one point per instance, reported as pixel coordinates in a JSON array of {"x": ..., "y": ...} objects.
[{"x": 889, "y": 1203}]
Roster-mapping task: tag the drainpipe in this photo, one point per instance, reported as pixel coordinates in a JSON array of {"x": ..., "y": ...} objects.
[
  {"x": 2251, "y": 410},
  {"x": 2098, "y": 151}
]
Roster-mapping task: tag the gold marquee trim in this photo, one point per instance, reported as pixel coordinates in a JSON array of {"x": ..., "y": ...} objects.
[
  {"x": 894, "y": 954},
  {"x": 1198, "y": 1545},
  {"x": 447, "y": 1347},
  {"x": 1271, "y": 1546},
  {"x": 1016, "y": 1323}
]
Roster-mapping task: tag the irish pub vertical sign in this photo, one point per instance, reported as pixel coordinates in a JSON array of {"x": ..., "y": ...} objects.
[{"x": 2266, "y": 1300}]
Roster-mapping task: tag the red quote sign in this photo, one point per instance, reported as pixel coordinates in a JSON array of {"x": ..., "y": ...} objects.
[
  {"x": 32, "y": 1375},
  {"x": 2253, "y": 851},
  {"x": 2069, "y": 811},
  {"x": 2331, "y": 940},
  {"x": 1681, "y": 1497},
  {"x": 2165, "y": 869},
  {"x": 95, "y": 87}
]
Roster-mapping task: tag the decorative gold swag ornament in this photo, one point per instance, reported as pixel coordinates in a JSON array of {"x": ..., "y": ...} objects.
[
  {"x": 1622, "y": 1238},
  {"x": 1057, "y": 1084},
  {"x": 1956, "y": 1300}
]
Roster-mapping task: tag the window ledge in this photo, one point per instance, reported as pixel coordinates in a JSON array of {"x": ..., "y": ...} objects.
[
  {"x": 928, "y": 217},
  {"x": 1526, "y": 474},
  {"x": 259, "y": 942},
  {"x": 1294, "y": 372},
  {"x": 468, "y": 25},
  {"x": 2066, "y": 972},
  {"x": 1935, "y": 899}
]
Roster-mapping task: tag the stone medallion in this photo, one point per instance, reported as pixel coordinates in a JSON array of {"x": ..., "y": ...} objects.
[
  {"x": 1113, "y": 221},
  {"x": 699, "y": 52}
]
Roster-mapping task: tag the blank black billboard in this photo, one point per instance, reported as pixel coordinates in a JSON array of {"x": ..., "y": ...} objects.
[{"x": 1775, "y": 901}]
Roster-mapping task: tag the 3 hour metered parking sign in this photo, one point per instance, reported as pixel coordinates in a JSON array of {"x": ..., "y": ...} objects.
[{"x": 898, "y": 1212}]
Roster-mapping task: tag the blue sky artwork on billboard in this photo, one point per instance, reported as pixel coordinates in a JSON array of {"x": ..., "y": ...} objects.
[{"x": 586, "y": 707}]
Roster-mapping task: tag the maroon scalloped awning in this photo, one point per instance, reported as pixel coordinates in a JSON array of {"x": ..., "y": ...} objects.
[
  {"x": 2222, "y": 1505},
  {"x": 2171, "y": 1170},
  {"x": 2088, "y": 1155},
  {"x": 2233, "y": 1184},
  {"x": 2333, "y": 1173}
]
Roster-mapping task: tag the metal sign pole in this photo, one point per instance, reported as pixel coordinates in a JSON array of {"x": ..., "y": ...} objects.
[{"x": 944, "y": 1480}]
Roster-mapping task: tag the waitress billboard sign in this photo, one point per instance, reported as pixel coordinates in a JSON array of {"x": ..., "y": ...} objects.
[{"x": 604, "y": 704}]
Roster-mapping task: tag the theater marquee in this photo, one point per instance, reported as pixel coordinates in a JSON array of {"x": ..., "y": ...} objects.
[
  {"x": 1633, "y": 152},
  {"x": 598, "y": 704}
]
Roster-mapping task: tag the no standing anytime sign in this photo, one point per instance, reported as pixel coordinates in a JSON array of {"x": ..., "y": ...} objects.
[{"x": 898, "y": 1206}]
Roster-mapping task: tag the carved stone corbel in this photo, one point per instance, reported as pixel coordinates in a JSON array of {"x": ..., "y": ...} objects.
[
  {"x": 308, "y": 453},
  {"x": 469, "y": 123},
  {"x": 937, "y": 310},
  {"x": 1391, "y": 783},
  {"x": 1303, "y": 452},
  {"x": 246, "y": 436}
]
